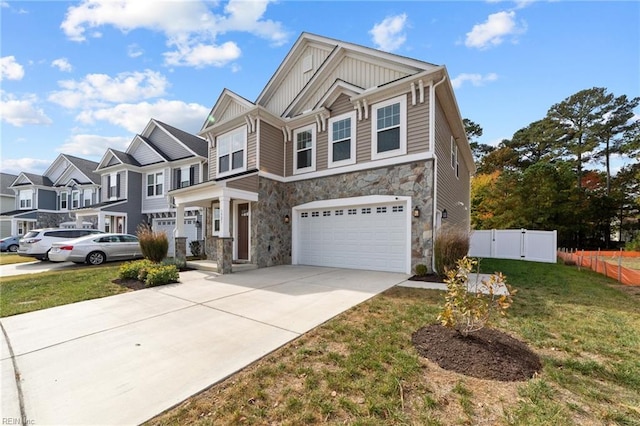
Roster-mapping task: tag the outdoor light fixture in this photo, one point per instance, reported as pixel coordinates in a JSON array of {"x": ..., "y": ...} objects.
[
  {"x": 286, "y": 218},
  {"x": 416, "y": 212},
  {"x": 444, "y": 214},
  {"x": 198, "y": 224}
]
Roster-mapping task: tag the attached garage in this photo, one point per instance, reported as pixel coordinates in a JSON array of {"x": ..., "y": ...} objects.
[
  {"x": 168, "y": 225},
  {"x": 372, "y": 233}
]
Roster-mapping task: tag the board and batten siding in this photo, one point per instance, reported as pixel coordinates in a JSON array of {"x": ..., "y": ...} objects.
[
  {"x": 233, "y": 110},
  {"x": 55, "y": 173},
  {"x": 358, "y": 72},
  {"x": 249, "y": 183},
  {"x": 296, "y": 79},
  {"x": 453, "y": 192},
  {"x": 167, "y": 144},
  {"x": 271, "y": 149}
]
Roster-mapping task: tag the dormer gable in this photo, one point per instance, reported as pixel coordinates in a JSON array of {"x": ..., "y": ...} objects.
[
  {"x": 30, "y": 179},
  {"x": 145, "y": 152},
  {"x": 228, "y": 106},
  {"x": 113, "y": 158},
  {"x": 67, "y": 166},
  {"x": 170, "y": 142}
]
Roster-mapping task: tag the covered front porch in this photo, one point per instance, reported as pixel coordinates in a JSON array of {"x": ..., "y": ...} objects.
[{"x": 226, "y": 222}]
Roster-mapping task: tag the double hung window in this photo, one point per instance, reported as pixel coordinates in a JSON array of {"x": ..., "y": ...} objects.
[
  {"x": 342, "y": 140},
  {"x": 232, "y": 152},
  {"x": 389, "y": 128},
  {"x": 155, "y": 184},
  {"x": 304, "y": 140}
]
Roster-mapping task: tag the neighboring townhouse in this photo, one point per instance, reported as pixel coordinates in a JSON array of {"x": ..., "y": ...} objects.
[
  {"x": 135, "y": 182},
  {"x": 7, "y": 202},
  {"x": 51, "y": 199},
  {"x": 350, "y": 157}
]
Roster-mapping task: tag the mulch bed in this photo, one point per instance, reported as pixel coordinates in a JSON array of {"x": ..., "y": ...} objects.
[
  {"x": 430, "y": 278},
  {"x": 485, "y": 354},
  {"x": 132, "y": 284}
]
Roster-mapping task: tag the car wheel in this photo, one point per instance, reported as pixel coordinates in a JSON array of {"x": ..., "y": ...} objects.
[
  {"x": 13, "y": 248},
  {"x": 96, "y": 258},
  {"x": 45, "y": 258}
]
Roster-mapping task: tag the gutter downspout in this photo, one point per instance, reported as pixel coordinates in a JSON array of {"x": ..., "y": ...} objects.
[{"x": 432, "y": 147}]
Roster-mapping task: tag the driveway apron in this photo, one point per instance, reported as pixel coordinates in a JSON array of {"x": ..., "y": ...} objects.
[{"x": 126, "y": 358}]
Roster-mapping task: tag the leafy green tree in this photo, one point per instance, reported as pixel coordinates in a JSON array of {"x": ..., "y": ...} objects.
[{"x": 474, "y": 131}]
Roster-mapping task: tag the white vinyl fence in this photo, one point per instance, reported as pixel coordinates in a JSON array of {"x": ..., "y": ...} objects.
[{"x": 535, "y": 246}]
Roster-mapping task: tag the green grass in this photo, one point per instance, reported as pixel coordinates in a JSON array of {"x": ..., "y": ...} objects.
[
  {"x": 26, "y": 293},
  {"x": 361, "y": 369},
  {"x": 12, "y": 258}
]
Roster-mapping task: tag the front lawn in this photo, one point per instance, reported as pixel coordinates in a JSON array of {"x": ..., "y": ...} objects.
[
  {"x": 361, "y": 367},
  {"x": 12, "y": 258},
  {"x": 26, "y": 293}
]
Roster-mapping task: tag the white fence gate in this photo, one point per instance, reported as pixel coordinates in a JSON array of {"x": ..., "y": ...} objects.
[{"x": 535, "y": 246}]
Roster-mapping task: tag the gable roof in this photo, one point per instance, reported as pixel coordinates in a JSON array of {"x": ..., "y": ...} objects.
[
  {"x": 195, "y": 143},
  {"x": 225, "y": 101},
  {"x": 87, "y": 167},
  {"x": 6, "y": 180},
  {"x": 121, "y": 157},
  {"x": 32, "y": 179}
]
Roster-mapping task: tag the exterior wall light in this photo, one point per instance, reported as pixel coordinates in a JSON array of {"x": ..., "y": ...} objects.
[
  {"x": 416, "y": 212},
  {"x": 198, "y": 224},
  {"x": 286, "y": 218},
  {"x": 444, "y": 214}
]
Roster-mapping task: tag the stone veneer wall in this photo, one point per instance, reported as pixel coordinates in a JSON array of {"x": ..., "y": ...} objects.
[
  {"x": 51, "y": 220},
  {"x": 271, "y": 244}
]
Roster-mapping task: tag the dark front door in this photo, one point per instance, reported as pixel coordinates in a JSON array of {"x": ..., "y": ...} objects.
[{"x": 243, "y": 231}]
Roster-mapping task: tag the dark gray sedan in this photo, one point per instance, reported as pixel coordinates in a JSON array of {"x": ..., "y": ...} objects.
[{"x": 97, "y": 249}]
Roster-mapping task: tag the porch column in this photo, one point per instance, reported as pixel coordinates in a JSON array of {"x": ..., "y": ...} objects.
[
  {"x": 101, "y": 217},
  {"x": 78, "y": 221},
  {"x": 180, "y": 241},
  {"x": 225, "y": 217}
]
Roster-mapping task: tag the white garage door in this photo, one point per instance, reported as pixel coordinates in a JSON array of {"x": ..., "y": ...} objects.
[
  {"x": 372, "y": 236},
  {"x": 168, "y": 225}
]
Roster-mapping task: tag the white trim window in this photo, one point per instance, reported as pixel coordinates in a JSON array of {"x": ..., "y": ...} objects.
[
  {"x": 216, "y": 220},
  {"x": 75, "y": 199},
  {"x": 26, "y": 198},
  {"x": 87, "y": 197},
  {"x": 232, "y": 152},
  {"x": 389, "y": 128},
  {"x": 155, "y": 184},
  {"x": 342, "y": 140},
  {"x": 64, "y": 200},
  {"x": 304, "y": 147},
  {"x": 112, "y": 185}
]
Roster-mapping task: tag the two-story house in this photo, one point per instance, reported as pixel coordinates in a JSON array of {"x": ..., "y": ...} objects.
[
  {"x": 350, "y": 157},
  {"x": 50, "y": 199},
  {"x": 135, "y": 183},
  {"x": 7, "y": 202}
]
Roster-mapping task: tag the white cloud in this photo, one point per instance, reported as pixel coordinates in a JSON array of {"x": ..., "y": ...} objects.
[
  {"x": 191, "y": 27},
  {"x": 93, "y": 145},
  {"x": 134, "y": 117},
  {"x": 493, "y": 31},
  {"x": 4, "y": 4},
  {"x": 389, "y": 34},
  {"x": 20, "y": 112},
  {"x": 133, "y": 50},
  {"x": 62, "y": 64},
  {"x": 27, "y": 165},
  {"x": 474, "y": 79},
  {"x": 202, "y": 55},
  {"x": 99, "y": 89},
  {"x": 10, "y": 69}
]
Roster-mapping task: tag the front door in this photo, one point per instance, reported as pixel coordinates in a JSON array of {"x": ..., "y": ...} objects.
[{"x": 243, "y": 231}]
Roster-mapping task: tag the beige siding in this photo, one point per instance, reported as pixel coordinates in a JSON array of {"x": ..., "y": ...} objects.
[
  {"x": 363, "y": 144},
  {"x": 355, "y": 71},
  {"x": 295, "y": 80},
  {"x": 417, "y": 125},
  {"x": 452, "y": 190},
  {"x": 233, "y": 110},
  {"x": 251, "y": 150},
  {"x": 288, "y": 148},
  {"x": 271, "y": 149},
  {"x": 322, "y": 148},
  {"x": 213, "y": 163},
  {"x": 249, "y": 183}
]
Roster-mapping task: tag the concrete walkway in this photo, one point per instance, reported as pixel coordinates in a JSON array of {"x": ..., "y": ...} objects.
[{"x": 124, "y": 359}]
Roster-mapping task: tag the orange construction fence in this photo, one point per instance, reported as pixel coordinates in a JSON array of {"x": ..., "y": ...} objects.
[{"x": 595, "y": 260}]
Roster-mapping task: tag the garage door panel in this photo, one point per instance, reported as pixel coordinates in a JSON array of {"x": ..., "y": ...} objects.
[{"x": 362, "y": 237}]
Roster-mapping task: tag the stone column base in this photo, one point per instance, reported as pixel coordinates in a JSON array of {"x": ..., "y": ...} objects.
[
  {"x": 181, "y": 248},
  {"x": 224, "y": 255}
]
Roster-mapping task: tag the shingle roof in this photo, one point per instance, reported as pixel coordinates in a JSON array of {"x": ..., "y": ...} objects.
[
  {"x": 85, "y": 166},
  {"x": 38, "y": 179},
  {"x": 125, "y": 158},
  {"x": 6, "y": 180},
  {"x": 193, "y": 142}
]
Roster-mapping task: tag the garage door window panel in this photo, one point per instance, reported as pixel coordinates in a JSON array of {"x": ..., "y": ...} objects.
[
  {"x": 389, "y": 128},
  {"x": 305, "y": 147}
]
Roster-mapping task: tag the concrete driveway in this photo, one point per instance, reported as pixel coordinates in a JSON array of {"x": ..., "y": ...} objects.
[{"x": 124, "y": 359}]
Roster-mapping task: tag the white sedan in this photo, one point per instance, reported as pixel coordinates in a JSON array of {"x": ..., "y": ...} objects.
[{"x": 96, "y": 249}]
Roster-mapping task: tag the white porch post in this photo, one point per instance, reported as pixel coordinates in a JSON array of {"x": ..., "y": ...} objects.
[
  {"x": 225, "y": 216},
  {"x": 101, "y": 217},
  {"x": 179, "y": 220},
  {"x": 78, "y": 221}
]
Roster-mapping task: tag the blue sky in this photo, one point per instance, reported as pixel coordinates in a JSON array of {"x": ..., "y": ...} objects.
[{"x": 79, "y": 77}]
